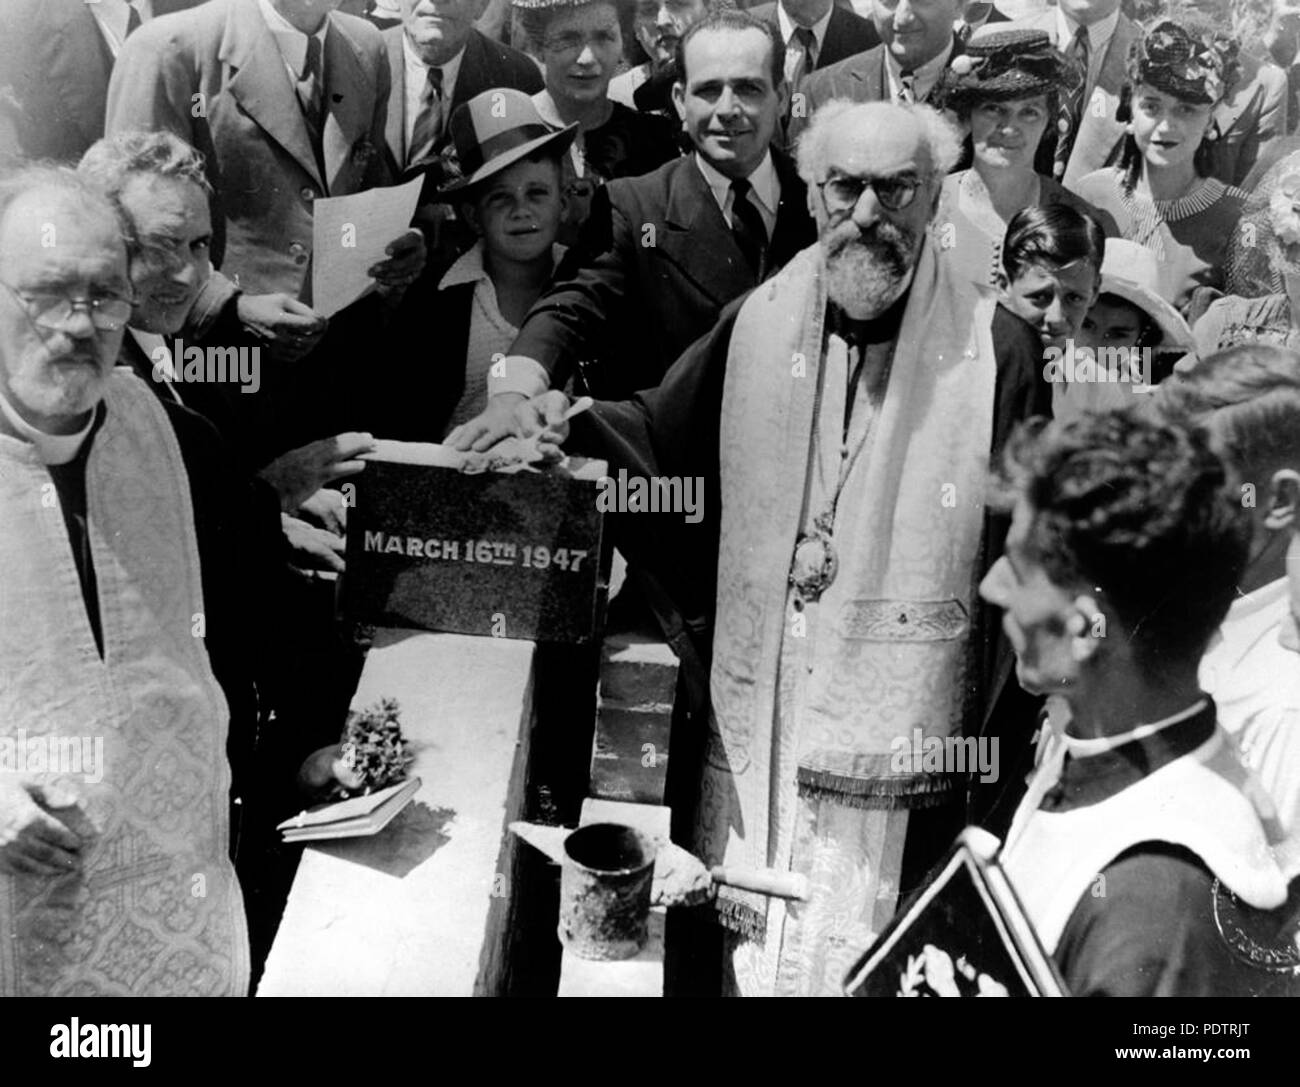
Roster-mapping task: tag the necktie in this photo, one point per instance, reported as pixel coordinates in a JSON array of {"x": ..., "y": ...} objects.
[
  {"x": 907, "y": 87},
  {"x": 747, "y": 227},
  {"x": 309, "y": 87},
  {"x": 1069, "y": 113},
  {"x": 803, "y": 44},
  {"x": 428, "y": 124}
]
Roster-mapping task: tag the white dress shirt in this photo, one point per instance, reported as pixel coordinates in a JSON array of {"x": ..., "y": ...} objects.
[
  {"x": 417, "y": 77},
  {"x": 1254, "y": 679},
  {"x": 764, "y": 193},
  {"x": 1099, "y": 35},
  {"x": 291, "y": 41},
  {"x": 490, "y": 334},
  {"x": 923, "y": 78},
  {"x": 787, "y": 28},
  {"x": 114, "y": 16}
]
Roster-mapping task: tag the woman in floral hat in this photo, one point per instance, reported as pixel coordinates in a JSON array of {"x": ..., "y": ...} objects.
[
  {"x": 1160, "y": 193},
  {"x": 1003, "y": 91},
  {"x": 581, "y": 43}
]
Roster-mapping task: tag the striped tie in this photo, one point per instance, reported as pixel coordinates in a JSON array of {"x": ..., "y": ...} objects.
[
  {"x": 428, "y": 124},
  {"x": 1070, "y": 112}
]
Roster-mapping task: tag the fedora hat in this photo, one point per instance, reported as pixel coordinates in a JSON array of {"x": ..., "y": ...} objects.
[
  {"x": 1132, "y": 272},
  {"x": 496, "y": 129}
]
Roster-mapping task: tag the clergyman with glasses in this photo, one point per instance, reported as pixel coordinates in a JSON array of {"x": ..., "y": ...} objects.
[
  {"x": 115, "y": 877},
  {"x": 844, "y": 414}
]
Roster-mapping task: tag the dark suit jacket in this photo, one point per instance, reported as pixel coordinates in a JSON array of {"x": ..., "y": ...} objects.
[
  {"x": 485, "y": 66},
  {"x": 655, "y": 264},
  {"x": 55, "y": 58},
  {"x": 861, "y": 78},
  {"x": 847, "y": 34},
  {"x": 215, "y": 77}
]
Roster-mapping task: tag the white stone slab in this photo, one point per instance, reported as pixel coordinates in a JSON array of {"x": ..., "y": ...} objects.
[{"x": 423, "y": 907}]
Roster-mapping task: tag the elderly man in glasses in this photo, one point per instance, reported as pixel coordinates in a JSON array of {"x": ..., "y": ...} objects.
[
  {"x": 115, "y": 875},
  {"x": 842, "y": 416}
]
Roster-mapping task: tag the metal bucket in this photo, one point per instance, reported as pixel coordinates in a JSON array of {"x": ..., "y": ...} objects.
[{"x": 605, "y": 891}]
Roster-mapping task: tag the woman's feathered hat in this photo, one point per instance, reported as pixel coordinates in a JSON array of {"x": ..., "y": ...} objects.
[{"x": 1190, "y": 60}]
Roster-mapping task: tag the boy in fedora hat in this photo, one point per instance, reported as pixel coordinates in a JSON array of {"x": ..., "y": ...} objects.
[{"x": 510, "y": 193}]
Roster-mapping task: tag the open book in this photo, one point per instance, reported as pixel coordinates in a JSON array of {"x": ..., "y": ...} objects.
[
  {"x": 355, "y": 817},
  {"x": 963, "y": 934}
]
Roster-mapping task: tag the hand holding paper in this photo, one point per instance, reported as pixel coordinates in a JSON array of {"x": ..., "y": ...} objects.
[{"x": 351, "y": 235}]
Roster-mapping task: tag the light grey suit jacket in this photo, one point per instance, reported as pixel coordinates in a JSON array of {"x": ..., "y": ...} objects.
[
  {"x": 215, "y": 77},
  {"x": 1099, "y": 133}
]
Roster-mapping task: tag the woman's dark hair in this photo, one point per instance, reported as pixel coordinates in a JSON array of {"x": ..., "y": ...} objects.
[
  {"x": 1054, "y": 234},
  {"x": 1130, "y": 157}
]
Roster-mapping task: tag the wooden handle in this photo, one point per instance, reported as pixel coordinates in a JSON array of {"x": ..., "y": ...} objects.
[{"x": 764, "y": 881}]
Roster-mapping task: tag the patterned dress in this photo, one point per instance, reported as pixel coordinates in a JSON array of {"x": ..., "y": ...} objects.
[{"x": 1190, "y": 235}]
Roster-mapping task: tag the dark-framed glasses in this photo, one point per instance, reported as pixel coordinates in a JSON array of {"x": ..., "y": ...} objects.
[
  {"x": 51, "y": 309},
  {"x": 841, "y": 193}
]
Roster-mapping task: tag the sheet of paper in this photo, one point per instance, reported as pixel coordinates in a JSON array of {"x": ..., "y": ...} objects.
[{"x": 349, "y": 235}]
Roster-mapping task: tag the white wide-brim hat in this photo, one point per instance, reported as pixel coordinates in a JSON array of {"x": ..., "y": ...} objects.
[{"x": 1132, "y": 272}]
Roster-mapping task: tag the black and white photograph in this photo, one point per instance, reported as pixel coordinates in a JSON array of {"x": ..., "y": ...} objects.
[{"x": 649, "y": 498}]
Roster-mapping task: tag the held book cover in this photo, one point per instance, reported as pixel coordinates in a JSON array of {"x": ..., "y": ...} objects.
[
  {"x": 963, "y": 934},
  {"x": 507, "y": 554}
]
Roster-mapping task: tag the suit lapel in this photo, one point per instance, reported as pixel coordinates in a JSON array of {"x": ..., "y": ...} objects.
[
  {"x": 349, "y": 97},
  {"x": 1099, "y": 131},
  {"x": 473, "y": 78},
  {"x": 696, "y": 237},
  {"x": 1110, "y": 77},
  {"x": 260, "y": 84}
]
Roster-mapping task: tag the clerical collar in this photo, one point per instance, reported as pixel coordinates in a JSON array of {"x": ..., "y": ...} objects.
[
  {"x": 51, "y": 448},
  {"x": 882, "y": 329},
  {"x": 1098, "y": 774}
]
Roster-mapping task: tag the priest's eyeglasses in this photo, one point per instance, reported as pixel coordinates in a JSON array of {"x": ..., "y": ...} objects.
[
  {"x": 841, "y": 193},
  {"x": 51, "y": 309}
]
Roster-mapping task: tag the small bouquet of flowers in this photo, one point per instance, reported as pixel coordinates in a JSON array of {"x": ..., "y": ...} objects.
[{"x": 373, "y": 750}]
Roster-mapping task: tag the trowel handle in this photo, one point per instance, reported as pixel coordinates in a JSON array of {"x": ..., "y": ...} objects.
[{"x": 764, "y": 881}]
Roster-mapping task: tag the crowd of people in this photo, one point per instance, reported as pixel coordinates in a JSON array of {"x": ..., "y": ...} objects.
[{"x": 979, "y": 323}]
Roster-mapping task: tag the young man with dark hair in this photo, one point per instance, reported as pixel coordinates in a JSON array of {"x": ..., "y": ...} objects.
[{"x": 1125, "y": 551}]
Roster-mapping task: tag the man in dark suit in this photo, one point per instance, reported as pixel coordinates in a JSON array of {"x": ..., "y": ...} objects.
[
  {"x": 287, "y": 101},
  {"x": 816, "y": 34},
  {"x": 436, "y": 61},
  {"x": 57, "y": 55},
  {"x": 662, "y": 254},
  {"x": 917, "y": 41}
]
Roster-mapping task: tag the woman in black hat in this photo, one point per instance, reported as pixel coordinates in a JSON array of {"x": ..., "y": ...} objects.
[
  {"x": 581, "y": 43},
  {"x": 1003, "y": 90},
  {"x": 1160, "y": 193}
]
